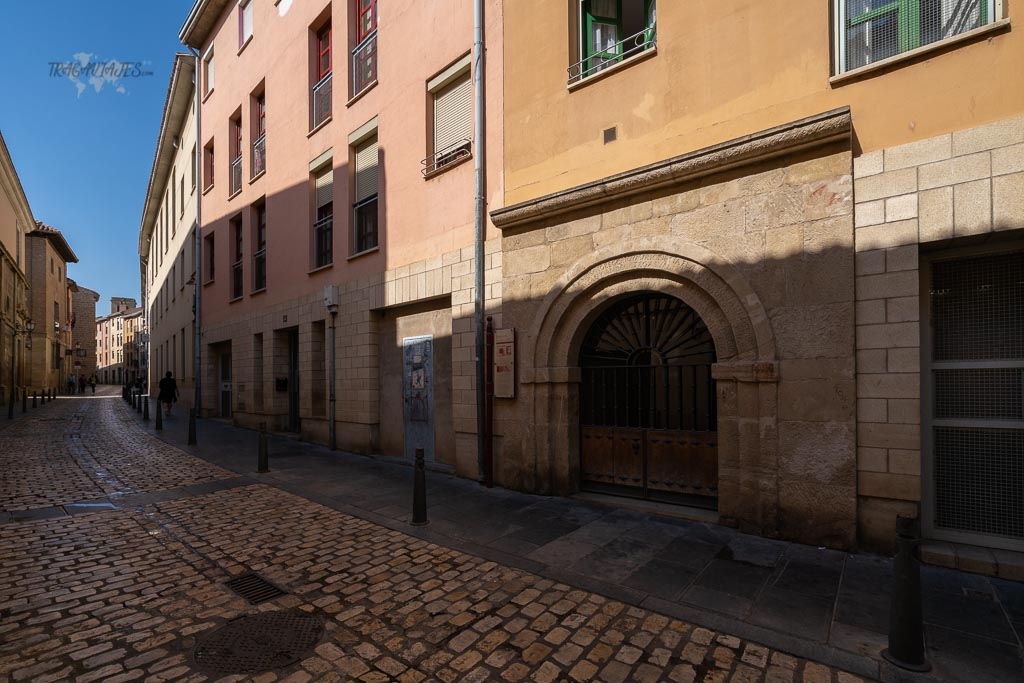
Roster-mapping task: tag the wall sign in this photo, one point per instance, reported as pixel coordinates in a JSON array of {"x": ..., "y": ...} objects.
[{"x": 505, "y": 363}]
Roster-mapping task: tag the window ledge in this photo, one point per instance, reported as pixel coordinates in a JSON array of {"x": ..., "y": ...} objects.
[
  {"x": 261, "y": 290},
  {"x": 359, "y": 95},
  {"x": 236, "y": 299},
  {"x": 208, "y": 188},
  {"x": 257, "y": 176},
  {"x": 624, "y": 64},
  {"x": 234, "y": 194},
  {"x": 207, "y": 283},
  {"x": 316, "y": 130},
  {"x": 365, "y": 252},
  {"x": 447, "y": 167},
  {"x": 910, "y": 55},
  {"x": 207, "y": 95},
  {"x": 320, "y": 268},
  {"x": 245, "y": 44}
]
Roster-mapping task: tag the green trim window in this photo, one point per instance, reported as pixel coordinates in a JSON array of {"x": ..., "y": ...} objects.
[
  {"x": 611, "y": 31},
  {"x": 873, "y": 30}
]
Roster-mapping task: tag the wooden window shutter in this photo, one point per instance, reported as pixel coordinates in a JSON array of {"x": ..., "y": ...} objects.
[
  {"x": 324, "y": 187},
  {"x": 366, "y": 170},
  {"x": 453, "y": 113}
]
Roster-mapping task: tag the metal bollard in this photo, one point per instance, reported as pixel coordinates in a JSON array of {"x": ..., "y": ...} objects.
[
  {"x": 906, "y": 627},
  {"x": 159, "y": 417},
  {"x": 145, "y": 410},
  {"x": 419, "y": 491},
  {"x": 138, "y": 403},
  {"x": 34, "y": 404},
  {"x": 261, "y": 464},
  {"x": 191, "y": 426}
]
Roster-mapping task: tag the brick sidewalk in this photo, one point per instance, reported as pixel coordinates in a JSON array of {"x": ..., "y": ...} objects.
[{"x": 124, "y": 594}]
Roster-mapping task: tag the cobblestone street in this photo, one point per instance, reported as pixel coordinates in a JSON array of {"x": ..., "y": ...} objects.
[{"x": 115, "y": 547}]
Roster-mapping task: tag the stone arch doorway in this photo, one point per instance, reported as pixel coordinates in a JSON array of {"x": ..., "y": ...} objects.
[{"x": 647, "y": 405}]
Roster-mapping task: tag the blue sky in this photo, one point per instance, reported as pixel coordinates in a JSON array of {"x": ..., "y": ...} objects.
[{"x": 84, "y": 160}]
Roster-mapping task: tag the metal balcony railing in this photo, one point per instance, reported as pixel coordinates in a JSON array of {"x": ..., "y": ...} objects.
[
  {"x": 259, "y": 155},
  {"x": 323, "y": 241},
  {"x": 364, "y": 64},
  {"x": 322, "y": 100},
  {"x": 458, "y": 150},
  {"x": 602, "y": 59},
  {"x": 236, "y": 175}
]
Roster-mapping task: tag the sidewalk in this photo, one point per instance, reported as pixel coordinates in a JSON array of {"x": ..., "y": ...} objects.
[{"x": 815, "y": 603}]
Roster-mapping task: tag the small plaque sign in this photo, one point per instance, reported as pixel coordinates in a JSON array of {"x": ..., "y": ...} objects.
[{"x": 505, "y": 363}]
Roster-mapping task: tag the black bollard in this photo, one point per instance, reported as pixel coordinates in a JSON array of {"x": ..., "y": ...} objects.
[
  {"x": 159, "y": 417},
  {"x": 906, "y": 627},
  {"x": 145, "y": 410},
  {"x": 261, "y": 462},
  {"x": 419, "y": 491},
  {"x": 34, "y": 404},
  {"x": 138, "y": 403},
  {"x": 191, "y": 426},
  {"x": 24, "y": 400}
]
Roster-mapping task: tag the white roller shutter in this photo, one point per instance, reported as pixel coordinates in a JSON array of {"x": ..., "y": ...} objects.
[
  {"x": 366, "y": 170},
  {"x": 325, "y": 187},
  {"x": 453, "y": 113}
]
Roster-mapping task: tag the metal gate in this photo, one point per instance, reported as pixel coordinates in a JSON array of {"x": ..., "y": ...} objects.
[
  {"x": 648, "y": 422},
  {"x": 974, "y": 400}
]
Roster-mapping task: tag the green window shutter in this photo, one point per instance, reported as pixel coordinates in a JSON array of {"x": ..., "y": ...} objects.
[
  {"x": 602, "y": 30},
  {"x": 650, "y": 15}
]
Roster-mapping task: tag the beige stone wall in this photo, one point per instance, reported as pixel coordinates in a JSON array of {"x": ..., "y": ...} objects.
[
  {"x": 84, "y": 306},
  {"x": 765, "y": 255},
  {"x": 949, "y": 190},
  {"x": 364, "y": 303}
]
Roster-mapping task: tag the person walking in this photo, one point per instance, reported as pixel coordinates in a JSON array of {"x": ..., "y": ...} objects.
[
  {"x": 168, "y": 392},
  {"x": 92, "y": 383},
  {"x": 71, "y": 384},
  {"x": 81, "y": 384}
]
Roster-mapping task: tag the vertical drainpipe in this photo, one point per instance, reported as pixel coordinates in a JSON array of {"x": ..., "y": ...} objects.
[
  {"x": 479, "y": 161},
  {"x": 198, "y": 265}
]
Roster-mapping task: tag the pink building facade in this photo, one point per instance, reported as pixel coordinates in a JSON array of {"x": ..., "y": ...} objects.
[{"x": 338, "y": 175}]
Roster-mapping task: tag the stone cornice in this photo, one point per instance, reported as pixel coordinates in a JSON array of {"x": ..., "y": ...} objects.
[{"x": 813, "y": 131}]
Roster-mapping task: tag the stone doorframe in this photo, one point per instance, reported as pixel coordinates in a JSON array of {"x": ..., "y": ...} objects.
[{"x": 746, "y": 372}]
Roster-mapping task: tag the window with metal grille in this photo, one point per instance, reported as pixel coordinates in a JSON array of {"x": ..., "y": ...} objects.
[
  {"x": 259, "y": 265},
  {"x": 610, "y": 31},
  {"x": 452, "y": 92},
  {"x": 323, "y": 227},
  {"x": 869, "y": 31},
  {"x": 976, "y": 387},
  {"x": 322, "y": 89},
  {"x": 365, "y": 206},
  {"x": 236, "y": 264},
  {"x": 259, "y": 144},
  {"x": 236, "y": 156},
  {"x": 364, "y": 54}
]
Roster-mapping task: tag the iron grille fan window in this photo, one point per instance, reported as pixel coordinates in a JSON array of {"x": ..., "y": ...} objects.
[
  {"x": 872, "y": 30},
  {"x": 322, "y": 89},
  {"x": 364, "y": 55},
  {"x": 323, "y": 228},
  {"x": 611, "y": 31},
  {"x": 259, "y": 266},
  {"x": 365, "y": 207}
]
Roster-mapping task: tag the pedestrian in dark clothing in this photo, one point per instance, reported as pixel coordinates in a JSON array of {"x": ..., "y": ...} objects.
[
  {"x": 81, "y": 384},
  {"x": 92, "y": 383},
  {"x": 71, "y": 385},
  {"x": 168, "y": 392}
]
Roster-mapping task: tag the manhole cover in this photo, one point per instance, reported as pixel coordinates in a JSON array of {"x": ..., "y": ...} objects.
[{"x": 260, "y": 642}]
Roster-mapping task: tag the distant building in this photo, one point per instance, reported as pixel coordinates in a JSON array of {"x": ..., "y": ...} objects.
[
  {"x": 110, "y": 341},
  {"x": 83, "y": 328},
  {"x": 51, "y": 358}
]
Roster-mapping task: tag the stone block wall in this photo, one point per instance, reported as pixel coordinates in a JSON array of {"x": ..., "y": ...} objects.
[{"x": 939, "y": 192}]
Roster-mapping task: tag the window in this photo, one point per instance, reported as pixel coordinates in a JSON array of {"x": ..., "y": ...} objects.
[
  {"x": 17, "y": 238},
  {"x": 236, "y": 156},
  {"x": 181, "y": 193},
  {"x": 244, "y": 21},
  {"x": 611, "y": 31},
  {"x": 259, "y": 145},
  {"x": 872, "y": 30},
  {"x": 173, "y": 280},
  {"x": 259, "y": 260},
  {"x": 322, "y": 88},
  {"x": 453, "y": 117},
  {"x": 211, "y": 257},
  {"x": 323, "y": 227},
  {"x": 236, "y": 261},
  {"x": 193, "y": 167},
  {"x": 174, "y": 202},
  {"x": 208, "y": 165},
  {"x": 208, "y": 71},
  {"x": 364, "y": 56},
  {"x": 365, "y": 207}
]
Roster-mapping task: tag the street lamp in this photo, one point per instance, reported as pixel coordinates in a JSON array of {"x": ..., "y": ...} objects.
[{"x": 15, "y": 331}]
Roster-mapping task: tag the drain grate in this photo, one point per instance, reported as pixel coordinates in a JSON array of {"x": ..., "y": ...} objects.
[
  {"x": 254, "y": 588},
  {"x": 258, "y": 642}
]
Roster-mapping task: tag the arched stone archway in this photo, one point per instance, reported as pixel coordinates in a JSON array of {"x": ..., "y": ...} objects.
[{"x": 745, "y": 371}]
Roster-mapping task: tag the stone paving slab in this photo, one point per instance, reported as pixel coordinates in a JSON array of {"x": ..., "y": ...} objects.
[{"x": 821, "y": 603}]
